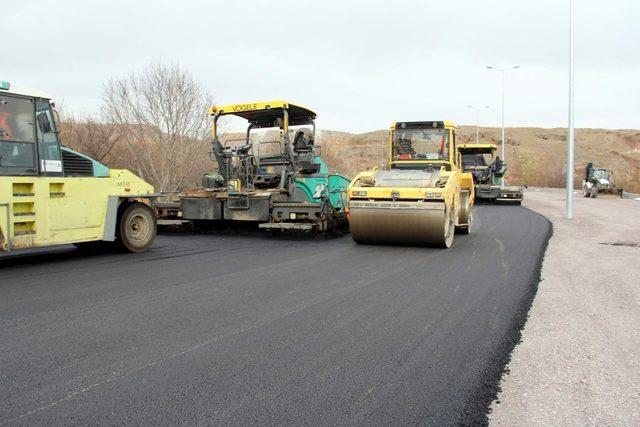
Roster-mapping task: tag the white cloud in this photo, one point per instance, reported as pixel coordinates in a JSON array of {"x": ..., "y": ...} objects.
[{"x": 360, "y": 64}]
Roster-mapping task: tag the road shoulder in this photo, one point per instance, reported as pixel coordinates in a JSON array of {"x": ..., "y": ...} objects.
[{"x": 577, "y": 363}]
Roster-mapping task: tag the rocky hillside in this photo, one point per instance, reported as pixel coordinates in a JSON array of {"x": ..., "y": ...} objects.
[{"x": 535, "y": 156}]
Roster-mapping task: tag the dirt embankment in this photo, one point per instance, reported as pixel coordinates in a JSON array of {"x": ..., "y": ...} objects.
[{"x": 535, "y": 156}]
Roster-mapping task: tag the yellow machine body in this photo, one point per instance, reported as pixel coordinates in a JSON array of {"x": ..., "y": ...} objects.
[
  {"x": 421, "y": 198},
  {"x": 45, "y": 211}
]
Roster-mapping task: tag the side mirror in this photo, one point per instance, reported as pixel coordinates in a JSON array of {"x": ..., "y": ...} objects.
[
  {"x": 56, "y": 118},
  {"x": 317, "y": 150},
  {"x": 44, "y": 123}
]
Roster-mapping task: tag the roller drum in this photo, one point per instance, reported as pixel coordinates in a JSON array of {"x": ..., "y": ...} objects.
[{"x": 415, "y": 223}]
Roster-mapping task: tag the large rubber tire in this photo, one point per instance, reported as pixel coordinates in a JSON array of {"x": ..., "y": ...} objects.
[{"x": 137, "y": 228}]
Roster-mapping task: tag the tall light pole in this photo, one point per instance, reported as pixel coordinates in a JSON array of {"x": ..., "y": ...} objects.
[
  {"x": 477, "y": 120},
  {"x": 570, "y": 127},
  {"x": 502, "y": 141}
]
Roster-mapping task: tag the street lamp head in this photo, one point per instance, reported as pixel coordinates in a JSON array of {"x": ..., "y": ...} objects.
[{"x": 502, "y": 69}]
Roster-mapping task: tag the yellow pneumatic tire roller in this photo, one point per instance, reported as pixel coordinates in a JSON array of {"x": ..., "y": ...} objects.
[{"x": 414, "y": 223}]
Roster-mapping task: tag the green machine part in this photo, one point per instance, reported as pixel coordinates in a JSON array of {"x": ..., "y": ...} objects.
[
  {"x": 99, "y": 170},
  {"x": 317, "y": 185}
]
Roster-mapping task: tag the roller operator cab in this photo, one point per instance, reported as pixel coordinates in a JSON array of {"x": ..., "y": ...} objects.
[
  {"x": 52, "y": 195},
  {"x": 422, "y": 196},
  {"x": 274, "y": 175}
]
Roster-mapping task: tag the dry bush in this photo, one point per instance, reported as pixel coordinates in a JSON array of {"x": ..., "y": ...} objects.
[
  {"x": 162, "y": 114},
  {"x": 98, "y": 140}
]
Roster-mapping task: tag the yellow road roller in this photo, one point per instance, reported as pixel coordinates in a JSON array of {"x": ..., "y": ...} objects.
[
  {"x": 421, "y": 198},
  {"x": 51, "y": 195}
]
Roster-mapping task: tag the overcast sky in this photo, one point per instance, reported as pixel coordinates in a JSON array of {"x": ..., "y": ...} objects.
[{"x": 359, "y": 64}]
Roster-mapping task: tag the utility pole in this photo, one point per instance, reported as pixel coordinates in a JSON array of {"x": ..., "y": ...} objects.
[
  {"x": 502, "y": 141},
  {"x": 570, "y": 127},
  {"x": 477, "y": 109}
]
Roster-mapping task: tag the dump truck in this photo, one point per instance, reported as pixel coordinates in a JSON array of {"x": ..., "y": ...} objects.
[
  {"x": 275, "y": 178},
  {"x": 52, "y": 195},
  {"x": 421, "y": 198},
  {"x": 597, "y": 181},
  {"x": 488, "y": 169}
]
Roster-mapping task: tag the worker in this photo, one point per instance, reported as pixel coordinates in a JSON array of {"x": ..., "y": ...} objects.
[
  {"x": 442, "y": 150},
  {"x": 405, "y": 147},
  {"x": 5, "y": 129},
  {"x": 302, "y": 140},
  {"x": 499, "y": 165},
  {"x": 588, "y": 171}
]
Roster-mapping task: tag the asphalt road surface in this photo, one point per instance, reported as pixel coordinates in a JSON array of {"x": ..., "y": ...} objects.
[{"x": 247, "y": 329}]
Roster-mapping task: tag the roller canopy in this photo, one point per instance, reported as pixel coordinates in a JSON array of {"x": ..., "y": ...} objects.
[
  {"x": 263, "y": 114},
  {"x": 477, "y": 148}
]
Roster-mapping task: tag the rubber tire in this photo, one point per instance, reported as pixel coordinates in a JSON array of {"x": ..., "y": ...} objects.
[{"x": 127, "y": 238}]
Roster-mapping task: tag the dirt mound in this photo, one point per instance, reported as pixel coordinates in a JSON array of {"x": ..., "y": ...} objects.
[{"x": 535, "y": 156}]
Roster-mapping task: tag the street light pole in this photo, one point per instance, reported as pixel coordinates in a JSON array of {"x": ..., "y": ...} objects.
[
  {"x": 570, "y": 127},
  {"x": 477, "y": 109},
  {"x": 502, "y": 141}
]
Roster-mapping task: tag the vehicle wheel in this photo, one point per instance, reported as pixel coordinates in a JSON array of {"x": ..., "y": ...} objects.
[
  {"x": 136, "y": 228},
  {"x": 466, "y": 229},
  {"x": 464, "y": 212},
  {"x": 594, "y": 193},
  {"x": 449, "y": 228}
]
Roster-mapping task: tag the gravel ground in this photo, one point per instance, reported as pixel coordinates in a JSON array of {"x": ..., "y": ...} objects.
[{"x": 578, "y": 361}]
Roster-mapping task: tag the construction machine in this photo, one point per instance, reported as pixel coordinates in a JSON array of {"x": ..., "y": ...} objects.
[
  {"x": 422, "y": 196},
  {"x": 52, "y": 195},
  {"x": 487, "y": 169},
  {"x": 599, "y": 180},
  {"x": 278, "y": 181}
]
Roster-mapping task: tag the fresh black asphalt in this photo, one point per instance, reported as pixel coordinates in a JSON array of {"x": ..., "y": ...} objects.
[{"x": 248, "y": 329}]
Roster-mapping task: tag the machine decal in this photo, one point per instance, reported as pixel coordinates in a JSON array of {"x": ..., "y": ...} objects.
[
  {"x": 244, "y": 107},
  {"x": 51, "y": 165}
]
